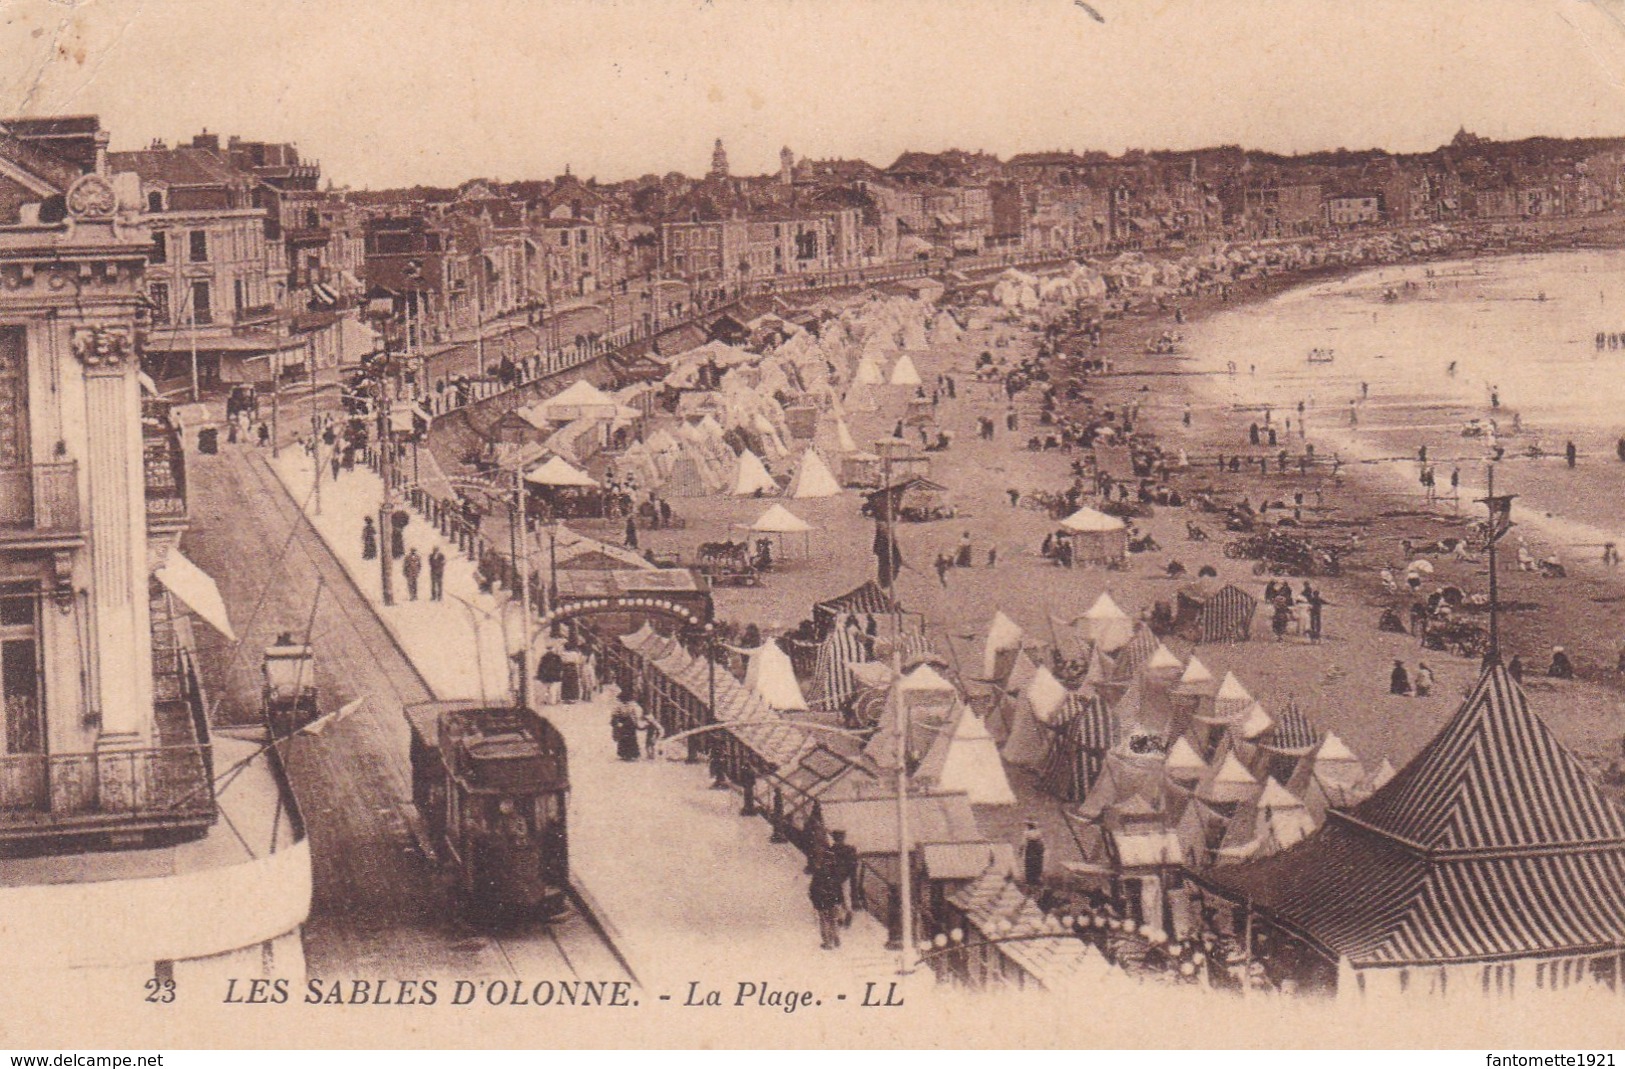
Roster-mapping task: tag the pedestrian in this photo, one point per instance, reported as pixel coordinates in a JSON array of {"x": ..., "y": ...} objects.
[
  {"x": 437, "y": 574},
  {"x": 1561, "y": 667},
  {"x": 1278, "y": 621},
  {"x": 1015, "y": 497},
  {"x": 1515, "y": 667},
  {"x": 1316, "y": 602},
  {"x": 1424, "y": 679},
  {"x": 631, "y": 531},
  {"x": 964, "y": 558},
  {"x": 944, "y": 562},
  {"x": 550, "y": 674},
  {"x": 1032, "y": 854},
  {"x": 369, "y": 539},
  {"x": 264, "y": 435},
  {"x": 844, "y": 856},
  {"x": 1399, "y": 681},
  {"x": 411, "y": 568},
  {"x": 825, "y": 893},
  {"x": 992, "y": 556},
  {"x": 651, "y": 735},
  {"x": 1570, "y": 453}
]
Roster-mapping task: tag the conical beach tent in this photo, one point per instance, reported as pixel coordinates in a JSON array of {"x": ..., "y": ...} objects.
[
  {"x": 813, "y": 478},
  {"x": 966, "y": 759},
  {"x": 903, "y": 373},
  {"x": 771, "y": 676},
  {"x": 753, "y": 477},
  {"x": 1003, "y": 638}
]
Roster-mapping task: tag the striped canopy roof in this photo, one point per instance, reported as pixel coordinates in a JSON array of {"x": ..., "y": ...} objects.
[{"x": 1492, "y": 844}]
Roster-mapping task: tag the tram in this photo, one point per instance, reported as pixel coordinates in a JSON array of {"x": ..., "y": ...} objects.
[{"x": 492, "y": 785}]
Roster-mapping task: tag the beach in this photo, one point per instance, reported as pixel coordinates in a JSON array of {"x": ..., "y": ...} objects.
[{"x": 1341, "y": 682}]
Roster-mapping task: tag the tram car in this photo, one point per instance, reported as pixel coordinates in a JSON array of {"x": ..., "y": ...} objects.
[{"x": 491, "y": 785}]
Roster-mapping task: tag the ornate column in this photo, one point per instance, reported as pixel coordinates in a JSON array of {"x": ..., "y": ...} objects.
[{"x": 117, "y": 534}]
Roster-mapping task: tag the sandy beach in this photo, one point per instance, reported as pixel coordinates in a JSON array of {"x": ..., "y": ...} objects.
[{"x": 1341, "y": 682}]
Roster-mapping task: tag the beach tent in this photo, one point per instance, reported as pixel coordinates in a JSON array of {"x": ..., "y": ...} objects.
[
  {"x": 965, "y": 758},
  {"x": 903, "y": 372},
  {"x": 1206, "y": 615},
  {"x": 1096, "y": 537},
  {"x": 772, "y": 677},
  {"x": 1232, "y": 701},
  {"x": 868, "y": 373},
  {"x": 684, "y": 479},
  {"x": 813, "y": 478},
  {"x": 580, "y": 400},
  {"x": 1107, "y": 625},
  {"x": 559, "y": 472},
  {"x": 999, "y": 652},
  {"x": 1085, "y": 736},
  {"x": 752, "y": 478},
  {"x": 843, "y": 436},
  {"x": 780, "y": 521},
  {"x": 833, "y": 682}
]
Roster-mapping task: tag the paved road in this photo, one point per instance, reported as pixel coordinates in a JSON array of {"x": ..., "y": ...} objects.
[{"x": 381, "y": 909}]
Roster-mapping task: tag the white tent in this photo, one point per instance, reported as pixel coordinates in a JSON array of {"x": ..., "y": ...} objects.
[
  {"x": 903, "y": 372},
  {"x": 971, "y": 762},
  {"x": 1232, "y": 700},
  {"x": 752, "y": 477},
  {"x": 558, "y": 472},
  {"x": 1107, "y": 625},
  {"x": 813, "y": 478},
  {"x": 1003, "y": 635},
  {"x": 780, "y": 521},
  {"x": 843, "y": 435},
  {"x": 1045, "y": 694},
  {"x": 580, "y": 400},
  {"x": 1196, "y": 673},
  {"x": 772, "y": 677},
  {"x": 196, "y": 591},
  {"x": 868, "y": 373},
  {"x": 1088, "y": 519}
]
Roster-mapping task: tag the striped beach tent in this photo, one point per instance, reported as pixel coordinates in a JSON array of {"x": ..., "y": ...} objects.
[
  {"x": 1085, "y": 734},
  {"x": 1492, "y": 847},
  {"x": 833, "y": 684},
  {"x": 1222, "y": 615}
]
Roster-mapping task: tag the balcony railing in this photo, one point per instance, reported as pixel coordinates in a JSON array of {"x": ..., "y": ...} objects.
[
  {"x": 164, "y": 471},
  {"x": 39, "y": 499},
  {"x": 165, "y": 789}
]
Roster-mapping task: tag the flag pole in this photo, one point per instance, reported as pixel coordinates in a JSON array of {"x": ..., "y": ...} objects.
[{"x": 1495, "y": 623}]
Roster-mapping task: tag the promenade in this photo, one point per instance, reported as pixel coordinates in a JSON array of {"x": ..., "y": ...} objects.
[{"x": 683, "y": 886}]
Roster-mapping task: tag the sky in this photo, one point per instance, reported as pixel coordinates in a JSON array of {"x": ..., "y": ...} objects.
[{"x": 396, "y": 92}]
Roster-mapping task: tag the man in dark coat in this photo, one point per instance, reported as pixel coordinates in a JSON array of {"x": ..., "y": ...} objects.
[
  {"x": 1032, "y": 854},
  {"x": 844, "y": 856},
  {"x": 1399, "y": 681},
  {"x": 437, "y": 574},
  {"x": 369, "y": 539},
  {"x": 825, "y": 892}
]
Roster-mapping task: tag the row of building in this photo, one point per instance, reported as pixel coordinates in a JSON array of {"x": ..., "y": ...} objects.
[{"x": 257, "y": 270}]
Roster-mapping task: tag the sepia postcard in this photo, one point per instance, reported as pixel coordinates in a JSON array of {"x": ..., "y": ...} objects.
[{"x": 812, "y": 524}]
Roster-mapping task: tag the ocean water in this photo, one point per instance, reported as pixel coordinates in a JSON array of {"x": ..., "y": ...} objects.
[{"x": 1521, "y": 328}]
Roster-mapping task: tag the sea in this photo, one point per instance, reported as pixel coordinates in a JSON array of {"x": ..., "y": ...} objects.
[{"x": 1454, "y": 356}]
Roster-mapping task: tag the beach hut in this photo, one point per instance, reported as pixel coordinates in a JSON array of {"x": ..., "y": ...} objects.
[
  {"x": 1096, "y": 537},
  {"x": 813, "y": 478},
  {"x": 752, "y": 479},
  {"x": 1206, "y": 615},
  {"x": 781, "y": 522}
]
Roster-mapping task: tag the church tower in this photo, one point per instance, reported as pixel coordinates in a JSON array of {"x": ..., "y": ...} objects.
[
  {"x": 719, "y": 161},
  {"x": 787, "y": 165}
]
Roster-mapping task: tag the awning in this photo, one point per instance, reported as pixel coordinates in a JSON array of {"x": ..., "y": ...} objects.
[{"x": 196, "y": 590}]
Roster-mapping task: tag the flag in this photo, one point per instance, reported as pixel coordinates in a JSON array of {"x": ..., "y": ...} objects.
[
  {"x": 327, "y": 720},
  {"x": 1500, "y": 506}
]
